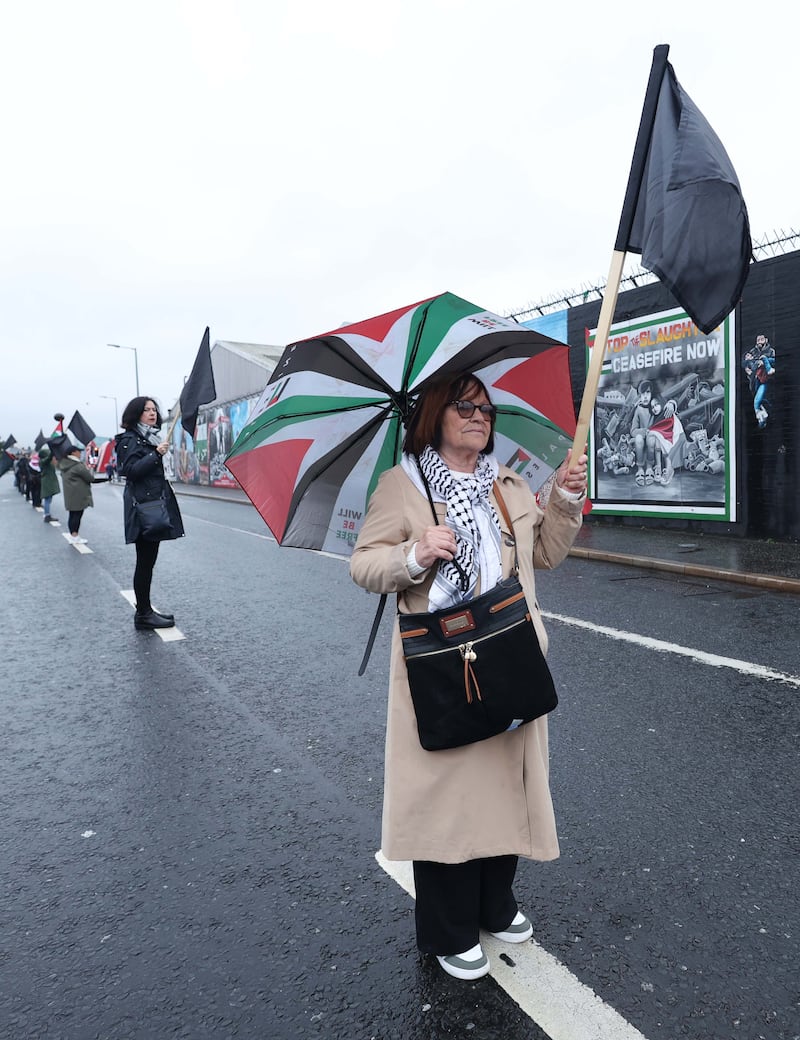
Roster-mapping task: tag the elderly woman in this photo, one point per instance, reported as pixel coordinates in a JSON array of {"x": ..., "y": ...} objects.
[
  {"x": 140, "y": 456},
  {"x": 463, "y": 815}
]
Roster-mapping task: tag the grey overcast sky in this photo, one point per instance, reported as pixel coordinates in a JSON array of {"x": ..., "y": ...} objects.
[{"x": 273, "y": 168}]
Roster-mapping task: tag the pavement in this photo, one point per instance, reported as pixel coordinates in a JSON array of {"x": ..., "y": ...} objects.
[{"x": 764, "y": 563}]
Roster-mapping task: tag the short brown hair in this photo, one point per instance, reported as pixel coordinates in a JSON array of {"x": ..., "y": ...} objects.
[{"x": 425, "y": 425}]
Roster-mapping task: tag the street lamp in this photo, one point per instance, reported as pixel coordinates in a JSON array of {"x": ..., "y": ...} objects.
[
  {"x": 135, "y": 360},
  {"x": 109, "y": 397}
]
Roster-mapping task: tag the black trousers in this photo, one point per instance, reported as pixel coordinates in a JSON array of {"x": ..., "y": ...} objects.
[
  {"x": 456, "y": 900},
  {"x": 74, "y": 520},
  {"x": 146, "y": 555}
]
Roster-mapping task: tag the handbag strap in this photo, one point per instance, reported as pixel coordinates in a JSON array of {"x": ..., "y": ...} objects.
[{"x": 504, "y": 510}]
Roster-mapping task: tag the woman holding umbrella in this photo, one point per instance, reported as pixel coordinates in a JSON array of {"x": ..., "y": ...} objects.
[
  {"x": 462, "y": 815},
  {"x": 140, "y": 452}
]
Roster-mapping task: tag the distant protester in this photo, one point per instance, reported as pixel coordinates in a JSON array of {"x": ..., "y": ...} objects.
[
  {"x": 140, "y": 451},
  {"x": 77, "y": 480},
  {"x": 35, "y": 480},
  {"x": 50, "y": 485}
]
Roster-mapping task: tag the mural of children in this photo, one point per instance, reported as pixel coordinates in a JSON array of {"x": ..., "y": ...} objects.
[
  {"x": 759, "y": 365},
  {"x": 668, "y": 438},
  {"x": 643, "y": 443}
]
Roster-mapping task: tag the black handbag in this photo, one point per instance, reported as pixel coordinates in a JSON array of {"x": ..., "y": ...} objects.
[
  {"x": 477, "y": 669},
  {"x": 153, "y": 517}
]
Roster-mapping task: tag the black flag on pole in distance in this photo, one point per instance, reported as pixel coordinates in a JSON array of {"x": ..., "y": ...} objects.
[
  {"x": 82, "y": 430},
  {"x": 60, "y": 445},
  {"x": 59, "y": 442},
  {"x": 40, "y": 440},
  {"x": 199, "y": 387},
  {"x": 686, "y": 216}
]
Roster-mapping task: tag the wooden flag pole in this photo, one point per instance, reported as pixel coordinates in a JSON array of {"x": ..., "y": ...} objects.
[
  {"x": 174, "y": 423},
  {"x": 598, "y": 353}
]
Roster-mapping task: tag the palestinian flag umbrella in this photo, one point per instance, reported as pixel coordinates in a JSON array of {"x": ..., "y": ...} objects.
[{"x": 331, "y": 417}]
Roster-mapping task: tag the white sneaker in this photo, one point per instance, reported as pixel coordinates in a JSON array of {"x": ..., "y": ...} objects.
[
  {"x": 78, "y": 540},
  {"x": 520, "y": 930},
  {"x": 472, "y": 964}
]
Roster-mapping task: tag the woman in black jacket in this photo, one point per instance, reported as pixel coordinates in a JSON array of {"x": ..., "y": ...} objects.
[{"x": 140, "y": 453}]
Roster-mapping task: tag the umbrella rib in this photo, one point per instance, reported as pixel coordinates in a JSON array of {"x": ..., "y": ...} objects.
[{"x": 412, "y": 356}]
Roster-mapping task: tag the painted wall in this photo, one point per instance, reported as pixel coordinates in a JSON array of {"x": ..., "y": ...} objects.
[{"x": 767, "y": 456}]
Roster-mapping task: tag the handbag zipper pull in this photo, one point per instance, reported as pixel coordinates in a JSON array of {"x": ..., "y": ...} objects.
[{"x": 467, "y": 653}]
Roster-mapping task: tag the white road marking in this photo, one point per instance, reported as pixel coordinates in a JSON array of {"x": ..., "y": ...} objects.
[
  {"x": 166, "y": 635},
  {"x": 760, "y": 671},
  {"x": 79, "y": 547},
  {"x": 547, "y": 992}
]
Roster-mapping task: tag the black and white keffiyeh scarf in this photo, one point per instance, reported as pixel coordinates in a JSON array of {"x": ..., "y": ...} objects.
[
  {"x": 152, "y": 434},
  {"x": 472, "y": 518}
]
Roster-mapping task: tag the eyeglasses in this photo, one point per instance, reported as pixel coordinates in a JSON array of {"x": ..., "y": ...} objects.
[{"x": 466, "y": 409}]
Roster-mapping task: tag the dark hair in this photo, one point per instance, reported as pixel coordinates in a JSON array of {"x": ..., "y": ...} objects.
[
  {"x": 425, "y": 425},
  {"x": 644, "y": 386},
  {"x": 133, "y": 412}
]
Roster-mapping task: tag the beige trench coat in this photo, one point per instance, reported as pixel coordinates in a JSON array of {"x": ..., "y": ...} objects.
[{"x": 487, "y": 799}]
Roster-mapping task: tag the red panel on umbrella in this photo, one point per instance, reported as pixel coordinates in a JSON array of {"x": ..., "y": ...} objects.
[
  {"x": 269, "y": 474},
  {"x": 533, "y": 381},
  {"x": 376, "y": 328}
]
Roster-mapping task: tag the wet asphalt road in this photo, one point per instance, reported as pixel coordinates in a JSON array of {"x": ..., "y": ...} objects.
[{"x": 189, "y": 828}]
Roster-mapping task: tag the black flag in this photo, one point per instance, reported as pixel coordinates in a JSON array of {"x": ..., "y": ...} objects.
[
  {"x": 10, "y": 440},
  {"x": 60, "y": 445},
  {"x": 683, "y": 209},
  {"x": 199, "y": 387},
  {"x": 82, "y": 430},
  {"x": 40, "y": 439},
  {"x": 6, "y": 462}
]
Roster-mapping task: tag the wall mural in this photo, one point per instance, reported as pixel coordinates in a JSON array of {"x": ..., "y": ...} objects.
[{"x": 661, "y": 438}]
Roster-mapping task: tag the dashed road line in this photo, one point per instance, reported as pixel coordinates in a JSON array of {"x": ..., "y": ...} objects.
[{"x": 78, "y": 546}]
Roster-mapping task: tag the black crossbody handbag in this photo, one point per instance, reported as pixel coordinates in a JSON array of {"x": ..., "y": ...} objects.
[
  {"x": 153, "y": 517},
  {"x": 476, "y": 670}
]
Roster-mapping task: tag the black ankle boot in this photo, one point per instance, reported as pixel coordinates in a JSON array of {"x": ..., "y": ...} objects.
[
  {"x": 161, "y": 613},
  {"x": 152, "y": 620}
]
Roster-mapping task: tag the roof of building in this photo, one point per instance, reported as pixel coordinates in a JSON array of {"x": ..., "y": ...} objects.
[{"x": 241, "y": 369}]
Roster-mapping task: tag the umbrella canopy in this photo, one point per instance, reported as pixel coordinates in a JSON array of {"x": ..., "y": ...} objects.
[{"x": 330, "y": 420}]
